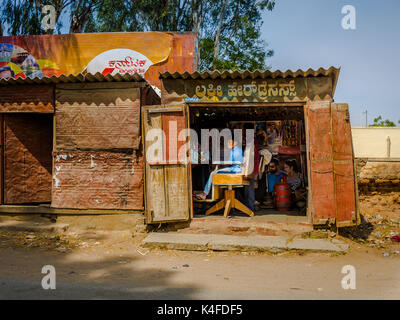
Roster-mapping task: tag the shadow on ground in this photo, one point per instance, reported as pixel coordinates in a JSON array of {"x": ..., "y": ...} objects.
[
  {"x": 113, "y": 270},
  {"x": 358, "y": 233}
]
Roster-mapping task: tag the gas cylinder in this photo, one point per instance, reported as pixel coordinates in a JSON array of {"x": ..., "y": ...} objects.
[{"x": 282, "y": 195}]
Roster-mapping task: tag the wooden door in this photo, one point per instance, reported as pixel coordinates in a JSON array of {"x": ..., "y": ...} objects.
[
  {"x": 168, "y": 194},
  {"x": 343, "y": 164},
  {"x": 333, "y": 181}
]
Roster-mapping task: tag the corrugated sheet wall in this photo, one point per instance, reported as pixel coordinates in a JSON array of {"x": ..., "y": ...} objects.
[{"x": 97, "y": 161}]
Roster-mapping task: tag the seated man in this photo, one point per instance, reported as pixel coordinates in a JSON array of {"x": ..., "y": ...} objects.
[
  {"x": 294, "y": 178},
  {"x": 275, "y": 174},
  {"x": 235, "y": 157}
]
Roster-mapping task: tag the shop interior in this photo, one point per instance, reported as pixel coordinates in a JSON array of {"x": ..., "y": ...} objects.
[{"x": 280, "y": 158}]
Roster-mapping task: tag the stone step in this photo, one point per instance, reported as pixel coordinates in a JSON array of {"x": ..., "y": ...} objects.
[
  {"x": 232, "y": 226},
  {"x": 219, "y": 242}
]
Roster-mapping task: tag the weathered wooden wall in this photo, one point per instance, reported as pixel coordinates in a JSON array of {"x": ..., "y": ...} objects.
[{"x": 97, "y": 157}]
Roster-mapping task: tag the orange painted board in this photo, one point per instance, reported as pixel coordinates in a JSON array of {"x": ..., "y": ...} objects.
[{"x": 146, "y": 53}]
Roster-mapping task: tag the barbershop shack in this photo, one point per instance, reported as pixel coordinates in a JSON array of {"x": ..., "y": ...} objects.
[{"x": 79, "y": 144}]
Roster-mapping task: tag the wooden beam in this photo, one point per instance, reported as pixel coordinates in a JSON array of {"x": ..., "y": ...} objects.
[{"x": 41, "y": 209}]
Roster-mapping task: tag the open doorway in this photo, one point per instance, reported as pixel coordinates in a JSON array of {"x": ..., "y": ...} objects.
[{"x": 280, "y": 140}]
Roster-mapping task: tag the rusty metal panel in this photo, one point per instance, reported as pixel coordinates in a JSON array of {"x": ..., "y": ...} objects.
[
  {"x": 27, "y": 158},
  {"x": 97, "y": 180},
  {"x": 321, "y": 166},
  {"x": 97, "y": 118},
  {"x": 343, "y": 165},
  {"x": 27, "y": 98}
]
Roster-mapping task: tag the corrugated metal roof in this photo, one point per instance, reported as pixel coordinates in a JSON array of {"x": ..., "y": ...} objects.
[
  {"x": 98, "y": 77},
  {"x": 332, "y": 71}
]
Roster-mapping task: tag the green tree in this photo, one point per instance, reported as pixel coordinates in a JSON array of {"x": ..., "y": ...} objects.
[
  {"x": 229, "y": 31},
  {"x": 23, "y": 17},
  {"x": 378, "y": 122}
]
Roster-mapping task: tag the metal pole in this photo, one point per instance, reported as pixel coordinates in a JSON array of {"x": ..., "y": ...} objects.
[{"x": 366, "y": 118}]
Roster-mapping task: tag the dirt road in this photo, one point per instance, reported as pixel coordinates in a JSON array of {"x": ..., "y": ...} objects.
[
  {"x": 99, "y": 264},
  {"x": 122, "y": 272}
]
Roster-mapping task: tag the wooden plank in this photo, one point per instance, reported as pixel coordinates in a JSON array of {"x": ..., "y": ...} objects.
[
  {"x": 166, "y": 109},
  {"x": 229, "y": 179},
  {"x": 155, "y": 186},
  {"x": 176, "y": 190},
  {"x": 321, "y": 157},
  {"x": 310, "y": 207},
  {"x": 24, "y": 209},
  {"x": 343, "y": 164}
]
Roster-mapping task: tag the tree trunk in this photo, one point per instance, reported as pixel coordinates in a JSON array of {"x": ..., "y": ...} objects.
[
  {"x": 197, "y": 10},
  {"x": 218, "y": 34}
]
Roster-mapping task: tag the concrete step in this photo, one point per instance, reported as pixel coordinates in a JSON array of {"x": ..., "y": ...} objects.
[
  {"x": 219, "y": 242},
  {"x": 246, "y": 226}
]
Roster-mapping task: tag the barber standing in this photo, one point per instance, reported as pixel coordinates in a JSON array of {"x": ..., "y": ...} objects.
[{"x": 249, "y": 190}]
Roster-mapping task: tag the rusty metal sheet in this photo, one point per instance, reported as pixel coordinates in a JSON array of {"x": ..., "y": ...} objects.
[
  {"x": 72, "y": 78},
  {"x": 97, "y": 180},
  {"x": 27, "y": 98},
  {"x": 321, "y": 166},
  {"x": 97, "y": 118},
  {"x": 27, "y": 158}
]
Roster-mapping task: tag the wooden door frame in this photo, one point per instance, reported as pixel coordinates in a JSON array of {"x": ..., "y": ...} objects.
[{"x": 303, "y": 104}]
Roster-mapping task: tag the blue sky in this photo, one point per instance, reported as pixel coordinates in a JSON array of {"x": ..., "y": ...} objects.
[{"x": 308, "y": 33}]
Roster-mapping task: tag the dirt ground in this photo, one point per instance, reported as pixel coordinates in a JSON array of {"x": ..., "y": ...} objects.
[{"x": 116, "y": 257}]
